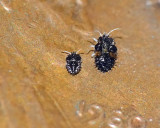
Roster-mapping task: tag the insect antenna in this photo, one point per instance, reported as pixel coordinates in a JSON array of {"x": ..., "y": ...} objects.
[
  {"x": 78, "y": 52},
  {"x": 99, "y": 32},
  {"x": 112, "y": 31},
  {"x": 66, "y": 52}
]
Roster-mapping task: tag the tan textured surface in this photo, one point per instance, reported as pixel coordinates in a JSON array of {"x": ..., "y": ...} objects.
[{"x": 35, "y": 89}]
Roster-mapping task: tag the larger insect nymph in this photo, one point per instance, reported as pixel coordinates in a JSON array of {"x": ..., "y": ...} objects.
[{"x": 105, "y": 52}]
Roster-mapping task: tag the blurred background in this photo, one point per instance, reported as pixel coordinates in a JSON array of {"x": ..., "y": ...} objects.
[{"x": 36, "y": 91}]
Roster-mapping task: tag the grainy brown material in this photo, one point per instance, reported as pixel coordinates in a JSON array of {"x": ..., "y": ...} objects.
[{"x": 36, "y": 91}]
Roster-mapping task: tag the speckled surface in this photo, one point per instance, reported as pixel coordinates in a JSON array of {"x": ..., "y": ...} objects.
[{"x": 36, "y": 91}]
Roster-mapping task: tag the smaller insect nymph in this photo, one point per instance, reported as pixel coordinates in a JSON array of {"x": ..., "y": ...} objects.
[{"x": 73, "y": 62}]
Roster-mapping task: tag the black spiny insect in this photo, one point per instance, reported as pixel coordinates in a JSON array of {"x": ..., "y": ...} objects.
[
  {"x": 105, "y": 52},
  {"x": 73, "y": 62}
]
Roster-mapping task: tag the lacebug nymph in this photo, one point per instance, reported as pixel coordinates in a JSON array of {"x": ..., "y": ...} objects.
[
  {"x": 73, "y": 62},
  {"x": 105, "y": 52}
]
